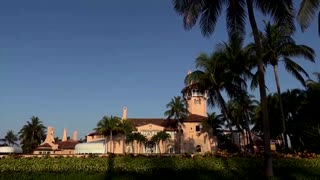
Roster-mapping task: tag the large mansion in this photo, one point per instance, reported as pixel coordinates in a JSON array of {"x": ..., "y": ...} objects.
[{"x": 193, "y": 137}]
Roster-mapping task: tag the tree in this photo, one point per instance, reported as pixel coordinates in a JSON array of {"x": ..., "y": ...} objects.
[
  {"x": 242, "y": 111},
  {"x": 161, "y": 136},
  {"x": 108, "y": 126},
  {"x": 214, "y": 123},
  {"x": 10, "y": 138},
  {"x": 126, "y": 127},
  {"x": 279, "y": 46},
  {"x": 178, "y": 111},
  {"x": 236, "y": 13},
  {"x": 306, "y": 13},
  {"x": 222, "y": 71},
  {"x": 32, "y": 134},
  {"x": 136, "y": 137}
]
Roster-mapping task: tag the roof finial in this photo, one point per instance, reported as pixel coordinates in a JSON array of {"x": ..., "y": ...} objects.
[{"x": 189, "y": 72}]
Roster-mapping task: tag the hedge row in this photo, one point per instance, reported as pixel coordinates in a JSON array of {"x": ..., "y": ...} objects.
[{"x": 197, "y": 166}]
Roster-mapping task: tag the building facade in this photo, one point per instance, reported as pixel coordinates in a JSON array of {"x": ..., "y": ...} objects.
[
  {"x": 193, "y": 137},
  {"x": 50, "y": 146}
]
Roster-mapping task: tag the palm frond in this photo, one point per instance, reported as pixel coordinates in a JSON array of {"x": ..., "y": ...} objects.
[
  {"x": 236, "y": 17},
  {"x": 210, "y": 13},
  {"x": 295, "y": 69},
  {"x": 307, "y": 12},
  {"x": 282, "y": 11}
]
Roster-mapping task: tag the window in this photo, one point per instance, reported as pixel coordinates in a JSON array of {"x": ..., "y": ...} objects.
[
  {"x": 171, "y": 150},
  {"x": 197, "y": 128},
  {"x": 198, "y": 148}
]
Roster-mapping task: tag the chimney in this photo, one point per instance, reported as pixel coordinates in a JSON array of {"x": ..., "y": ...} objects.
[
  {"x": 50, "y": 135},
  {"x": 124, "y": 113},
  {"x": 75, "y": 135},
  {"x": 64, "y": 136}
]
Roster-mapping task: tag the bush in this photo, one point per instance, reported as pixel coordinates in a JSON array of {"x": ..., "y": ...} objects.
[{"x": 221, "y": 165}]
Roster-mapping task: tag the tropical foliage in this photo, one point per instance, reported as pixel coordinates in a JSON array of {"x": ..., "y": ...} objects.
[
  {"x": 161, "y": 136},
  {"x": 10, "y": 139},
  {"x": 32, "y": 134},
  {"x": 198, "y": 167},
  {"x": 177, "y": 111},
  {"x": 108, "y": 126},
  {"x": 135, "y": 137},
  {"x": 236, "y": 13}
]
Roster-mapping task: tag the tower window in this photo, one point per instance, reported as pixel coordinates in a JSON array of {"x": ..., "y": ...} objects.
[{"x": 197, "y": 128}]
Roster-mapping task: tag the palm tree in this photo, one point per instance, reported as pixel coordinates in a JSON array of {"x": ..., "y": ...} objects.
[
  {"x": 243, "y": 110},
  {"x": 161, "y": 136},
  {"x": 312, "y": 83},
  {"x": 224, "y": 70},
  {"x": 236, "y": 13},
  {"x": 307, "y": 11},
  {"x": 32, "y": 134},
  {"x": 126, "y": 128},
  {"x": 278, "y": 45},
  {"x": 108, "y": 126},
  {"x": 135, "y": 137},
  {"x": 178, "y": 111},
  {"x": 11, "y": 138},
  {"x": 214, "y": 123}
]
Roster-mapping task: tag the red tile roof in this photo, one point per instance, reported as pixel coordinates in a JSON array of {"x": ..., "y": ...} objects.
[
  {"x": 44, "y": 146},
  {"x": 195, "y": 118},
  {"x": 169, "y": 125},
  {"x": 69, "y": 144}
]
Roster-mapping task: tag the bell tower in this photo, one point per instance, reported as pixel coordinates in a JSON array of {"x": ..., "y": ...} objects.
[{"x": 196, "y": 98}]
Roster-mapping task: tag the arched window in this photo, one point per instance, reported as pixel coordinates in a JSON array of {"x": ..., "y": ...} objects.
[{"x": 171, "y": 150}]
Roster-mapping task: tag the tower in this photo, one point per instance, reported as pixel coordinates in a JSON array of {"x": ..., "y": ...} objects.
[
  {"x": 64, "y": 136},
  {"x": 196, "y": 98},
  {"x": 124, "y": 113}
]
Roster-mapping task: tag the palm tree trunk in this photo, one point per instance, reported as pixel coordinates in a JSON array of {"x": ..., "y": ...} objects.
[
  {"x": 249, "y": 132},
  {"x": 276, "y": 76},
  {"x": 111, "y": 143},
  {"x": 250, "y": 138},
  {"x": 179, "y": 139},
  {"x": 225, "y": 114},
  {"x": 262, "y": 89}
]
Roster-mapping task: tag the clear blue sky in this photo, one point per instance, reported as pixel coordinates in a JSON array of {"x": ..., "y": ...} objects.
[{"x": 71, "y": 62}]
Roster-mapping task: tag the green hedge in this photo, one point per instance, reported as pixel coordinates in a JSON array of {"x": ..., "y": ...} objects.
[{"x": 128, "y": 167}]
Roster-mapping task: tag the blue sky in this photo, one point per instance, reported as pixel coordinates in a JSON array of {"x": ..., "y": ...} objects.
[{"x": 71, "y": 62}]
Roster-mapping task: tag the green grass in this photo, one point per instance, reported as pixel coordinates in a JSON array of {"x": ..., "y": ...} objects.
[{"x": 127, "y": 167}]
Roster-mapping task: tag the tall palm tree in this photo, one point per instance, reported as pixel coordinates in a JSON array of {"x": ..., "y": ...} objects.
[
  {"x": 11, "y": 138},
  {"x": 178, "y": 111},
  {"x": 126, "y": 128},
  {"x": 108, "y": 126},
  {"x": 279, "y": 46},
  {"x": 236, "y": 12},
  {"x": 214, "y": 123},
  {"x": 243, "y": 110},
  {"x": 32, "y": 134},
  {"x": 161, "y": 136},
  {"x": 306, "y": 13},
  {"x": 224, "y": 70},
  {"x": 135, "y": 137}
]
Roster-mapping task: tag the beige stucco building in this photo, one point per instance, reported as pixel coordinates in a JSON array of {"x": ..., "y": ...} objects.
[
  {"x": 194, "y": 138},
  {"x": 65, "y": 146}
]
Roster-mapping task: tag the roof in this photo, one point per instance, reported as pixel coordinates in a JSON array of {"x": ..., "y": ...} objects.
[
  {"x": 195, "y": 118},
  {"x": 69, "y": 144},
  {"x": 93, "y": 133},
  {"x": 10, "y": 149},
  {"x": 194, "y": 85},
  {"x": 44, "y": 146},
  {"x": 169, "y": 125}
]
